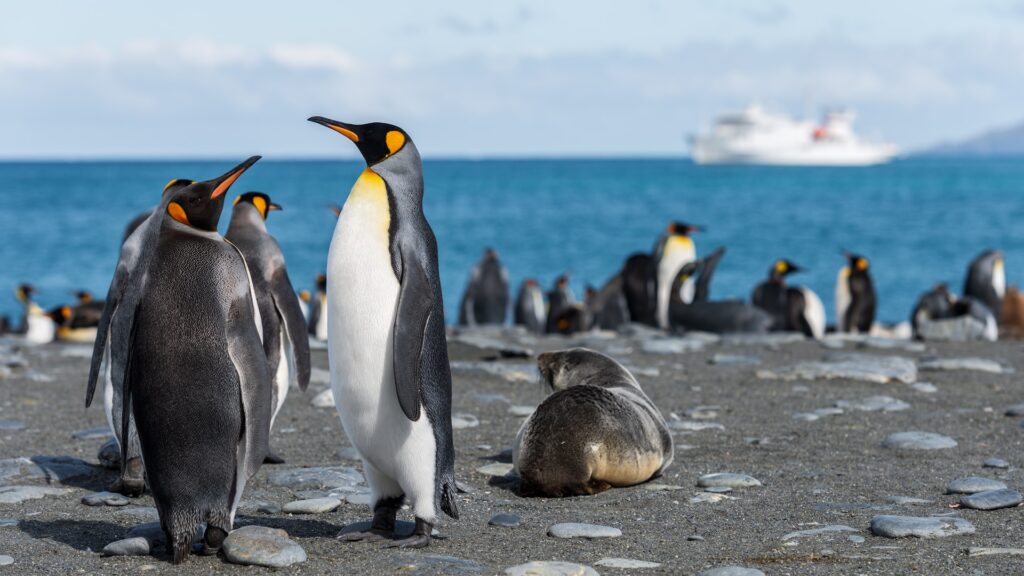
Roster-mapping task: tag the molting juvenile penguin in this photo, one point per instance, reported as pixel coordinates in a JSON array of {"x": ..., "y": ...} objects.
[
  {"x": 855, "y": 296},
  {"x": 702, "y": 314},
  {"x": 771, "y": 295},
  {"x": 285, "y": 341},
  {"x": 196, "y": 378},
  {"x": 560, "y": 299},
  {"x": 596, "y": 430},
  {"x": 37, "y": 327},
  {"x": 485, "y": 300},
  {"x": 986, "y": 280},
  {"x": 387, "y": 350},
  {"x": 934, "y": 304},
  {"x": 530, "y": 310},
  {"x": 674, "y": 250},
  {"x": 318, "y": 310}
]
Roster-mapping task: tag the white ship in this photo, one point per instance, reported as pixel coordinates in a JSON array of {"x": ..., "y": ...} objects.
[{"x": 755, "y": 136}]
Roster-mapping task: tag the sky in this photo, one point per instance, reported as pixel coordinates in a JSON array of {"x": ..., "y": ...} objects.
[{"x": 190, "y": 79}]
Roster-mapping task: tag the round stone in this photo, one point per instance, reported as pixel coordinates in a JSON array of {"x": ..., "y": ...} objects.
[
  {"x": 311, "y": 506},
  {"x": 260, "y": 546},
  {"x": 1015, "y": 410},
  {"x": 918, "y": 441},
  {"x": 727, "y": 480},
  {"x": 731, "y": 571},
  {"x": 579, "y": 530},
  {"x": 626, "y": 563},
  {"x": 12, "y": 425},
  {"x": 973, "y": 484},
  {"x": 995, "y": 463},
  {"x": 6, "y": 560},
  {"x": 496, "y": 469},
  {"x": 506, "y": 520},
  {"x": 137, "y": 546},
  {"x": 546, "y": 568},
  {"x": 992, "y": 499},
  {"x": 105, "y": 499},
  {"x": 927, "y": 527},
  {"x": 463, "y": 420}
]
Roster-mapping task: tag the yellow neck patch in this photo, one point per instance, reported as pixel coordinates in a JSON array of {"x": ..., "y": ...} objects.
[
  {"x": 178, "y": 213},
  {"x": 370, "y": 191}
]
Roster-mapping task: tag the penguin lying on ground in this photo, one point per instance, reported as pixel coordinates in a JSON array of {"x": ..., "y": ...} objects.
[
  {"x": 530, "y": 311},
  {"x": 855, "y": 296},
  {"x": 485, "y": 301},
  {"x": 78, "y": 323},
  {"x": 771, "y": 294},
  {"x": 596, "y": 430},
  {"x": 701, "y": 314},
  {"x": 37, "y": 327},
  {"x": 986, "y": 281},
  {"x": 196, "y": 378},
  {"x": 938, "y": 305},
  {"x": 285, "y": 339},
  {"x": 560, "y": 300},
  {"x": 388, "y": 354}
]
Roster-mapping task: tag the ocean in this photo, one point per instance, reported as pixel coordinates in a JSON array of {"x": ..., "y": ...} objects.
[{"x": 918, "y": 221}]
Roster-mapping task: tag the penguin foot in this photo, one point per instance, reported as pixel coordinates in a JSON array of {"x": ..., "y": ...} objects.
[
  {"x": 212, "y": 541},
  {"x": 420, "y": 537},
  {"x": 272, "y": 458},
  {"x": 132, "y": 482},
  {"x": 381, "y": 528}
]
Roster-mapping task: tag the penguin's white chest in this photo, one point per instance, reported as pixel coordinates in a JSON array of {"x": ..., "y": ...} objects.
[
  {"x": 362, "y": 296},
  {"x": 679, "y": 251}
]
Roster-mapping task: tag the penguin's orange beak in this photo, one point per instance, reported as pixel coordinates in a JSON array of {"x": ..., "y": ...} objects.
[{"x": 225, "y": 181}]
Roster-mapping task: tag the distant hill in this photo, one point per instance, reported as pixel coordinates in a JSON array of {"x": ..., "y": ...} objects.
[{"x": 1000, "y": 142}]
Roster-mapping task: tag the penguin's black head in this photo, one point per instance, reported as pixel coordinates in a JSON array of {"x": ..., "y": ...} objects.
[
  {"x": 376, "y": 141},
  {"x": 24, "y": 292},
  {"x": 60, "y": 314},
  {"x": 199, "y": 204},
  {"x": 83, "y": 296},
  {"x": 857, "y": 262},
  {"x": 683, "y": 229},
  {"x": 562, "y": 281},
  {"x": 321, "y": 282},
  {"x": 783, "y": 268},
  {"x": 260, "y": 201}
]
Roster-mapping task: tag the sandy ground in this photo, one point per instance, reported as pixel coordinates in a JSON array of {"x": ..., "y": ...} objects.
[{"x": 830, "y": 471}]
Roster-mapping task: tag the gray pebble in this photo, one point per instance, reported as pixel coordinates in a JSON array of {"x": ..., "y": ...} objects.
[
  {"x": 578, "y": 530},
  {"x": 496, "y": 469},
  {"x": 137, "y": 546},
  {"x": 311, "y": 506},
  {"x": 695, "y": 538},
  {"x": 349, "y": 453},
  {"x": 260, "y": 546},
  {"x": 855, "y": 539},
  {"x": 973, "y": 364},
  {"x": 918, "y": 441},
  {"x": 925, "y": 387},
  {"x": 734, "y": 360},
  {"x": 324, "y": 399},
  {"x": 8, "y": 522},
  {"x": 1015, "y": 410},
  {"x": 718, "y": 489},
  {"x": 902, "y": 500},
  {"x": 995, "y": 463},
  {"x": 548, "y": 568},
  {"x": 874, "y": 404},
  {"x": 927, "y": 527},
  {"x": 727, "y": 479},
  {"x": 818, "y": 531},
  {"x": 19, "y": 494},
  {"x": 93, "y": 433},
  {"x": 973, "y": 484},
  {"x": 109, "y": 455},
  {"x": 269, "y": 508},
  {"x": 12, "y": 425},
  {"x": 992, "y": 499},
  {"x": 6, "y": 560},
  {"x": 731, "y": 571},
  {"x": 317, "y": 478},
  {"x": 104, "y": 499},
  {"x": 505, "y": 520},
  {"x": 463, "y": 420},
  {"x": 626, "y": 563},
  {"x": 521, "y": 411},
  {"x": 358, "y": 498}
]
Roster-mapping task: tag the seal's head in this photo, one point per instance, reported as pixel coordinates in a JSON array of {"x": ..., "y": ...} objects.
[{"x": 564, "y": 368}]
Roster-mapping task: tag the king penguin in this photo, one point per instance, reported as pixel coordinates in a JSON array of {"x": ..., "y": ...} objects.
[
  {"x": 855, "y": 296},
  {"x": 485, "y": 301},
  {"x": 37, "y": 327},
  {"x": 560, "y": 299},
  {"x": 318, "y": 310},
  {"x": 530, "y": 309},
  {"x": 387, "y": 350},
  {"x": 986, "y": 281},
  {"x": 285, "y": 341},
  {"x": 771, "y": 294},
  {"x": 196, "y": 378},
  {"x": 674, "y": 250}
]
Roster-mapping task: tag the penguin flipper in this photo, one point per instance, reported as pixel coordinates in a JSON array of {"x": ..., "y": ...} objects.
[
  {"x": 99, "y": 347},
  {"x": 294, "y": 324},
  {"x": 246, "y": 353},
  {"x": 126, "y": 394},
  {"x": 415, "y": 306}
]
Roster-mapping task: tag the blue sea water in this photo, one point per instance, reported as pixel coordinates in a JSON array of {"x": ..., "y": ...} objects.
[{"x": 919, "y": 221}]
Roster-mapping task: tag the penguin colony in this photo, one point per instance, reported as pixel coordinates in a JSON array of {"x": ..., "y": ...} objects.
[{"x": 201, "y": 337}]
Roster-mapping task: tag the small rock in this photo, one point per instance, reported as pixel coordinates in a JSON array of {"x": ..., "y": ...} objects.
[
  {"x": 695, "y": 538},
  {"x": 727, "y": 479},
  {"x": 324, "y": 399},
  {"x": 693, "y": 426},
  {"x": 550, "y": 568},
  {"x": 93, "y": 433},
  {"x": 626, "y": 563},
  {"x": 109, "y": 455},
  {"x": 702, "y": 412},
  {"x": 333, "y": 478},
  {"x": 671, "y": 345},
  {"x": 992, "y": 499},
  {"x": 6, "y": 560},
  {"x": 855, "y": 539},
  {"x": 817, "y": 414},
  {"x": 522, "y": 411},
  {"x": 496, "y": 469},
  {"x": 105, "y": 499},
  {"x": 731, "y": 571},
  {"x": 505, "y": 520},
  {"x": 19, "y": 494},
  {"x": 311, "y": 506},
  {"x": 918, "y": 441},
  {"x": 260, "y": 546},
  {"x": 927, "y": 527},
  {"x": 12, "y": 425},
  {"x": 874, "y": 404},
  {"x": 995, "y": 463},
  {"x": 978, "y": 551},
  {"x": 718, "y": 489},
  {"x": 269, "y": 508},
  {"x": 819, "y": 531},
  {"x": 464, "y": 420},
  {"x": 578, "y": 530},
  {"x": 902, "y": 500},
  {"x": 733, "y": 360},
  {"x": 657, "y": 487},
  {"x": 973, "y": 364},
  {"x": 137, "y": 546},
  {"x": 349, "y": 453},
  {"x": 925, "y": 387},
  {"x": 973, "y": 484},
  {"x": 1015, "y": 410},
  {"x": 358, "y": 498},
  {"x": 8, "y": 522},
  {"x": 710, "y": 497}
]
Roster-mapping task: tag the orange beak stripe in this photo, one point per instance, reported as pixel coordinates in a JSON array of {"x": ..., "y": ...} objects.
[
  {"x": 223, "y": 186},
  {"x": 344, "y": 132}
]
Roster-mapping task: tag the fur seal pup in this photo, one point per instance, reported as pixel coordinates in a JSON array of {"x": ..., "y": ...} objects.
[{"x": 596, "y": 430}]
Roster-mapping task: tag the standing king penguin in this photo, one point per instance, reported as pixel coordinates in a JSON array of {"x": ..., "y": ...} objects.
[
  {"x": 986, "y": 281},
  {"x": 485, "y": 300},
  {"x": 771, "y": 295},
  {"x": 386, "y": 337},
  {"x": 855, "y": 296},
  {"x": 285, "y": 341},
  {"x": 530, "y": 310},
  {"x": 674, "y": 250},
  {"x": 196, "y": 377}
]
